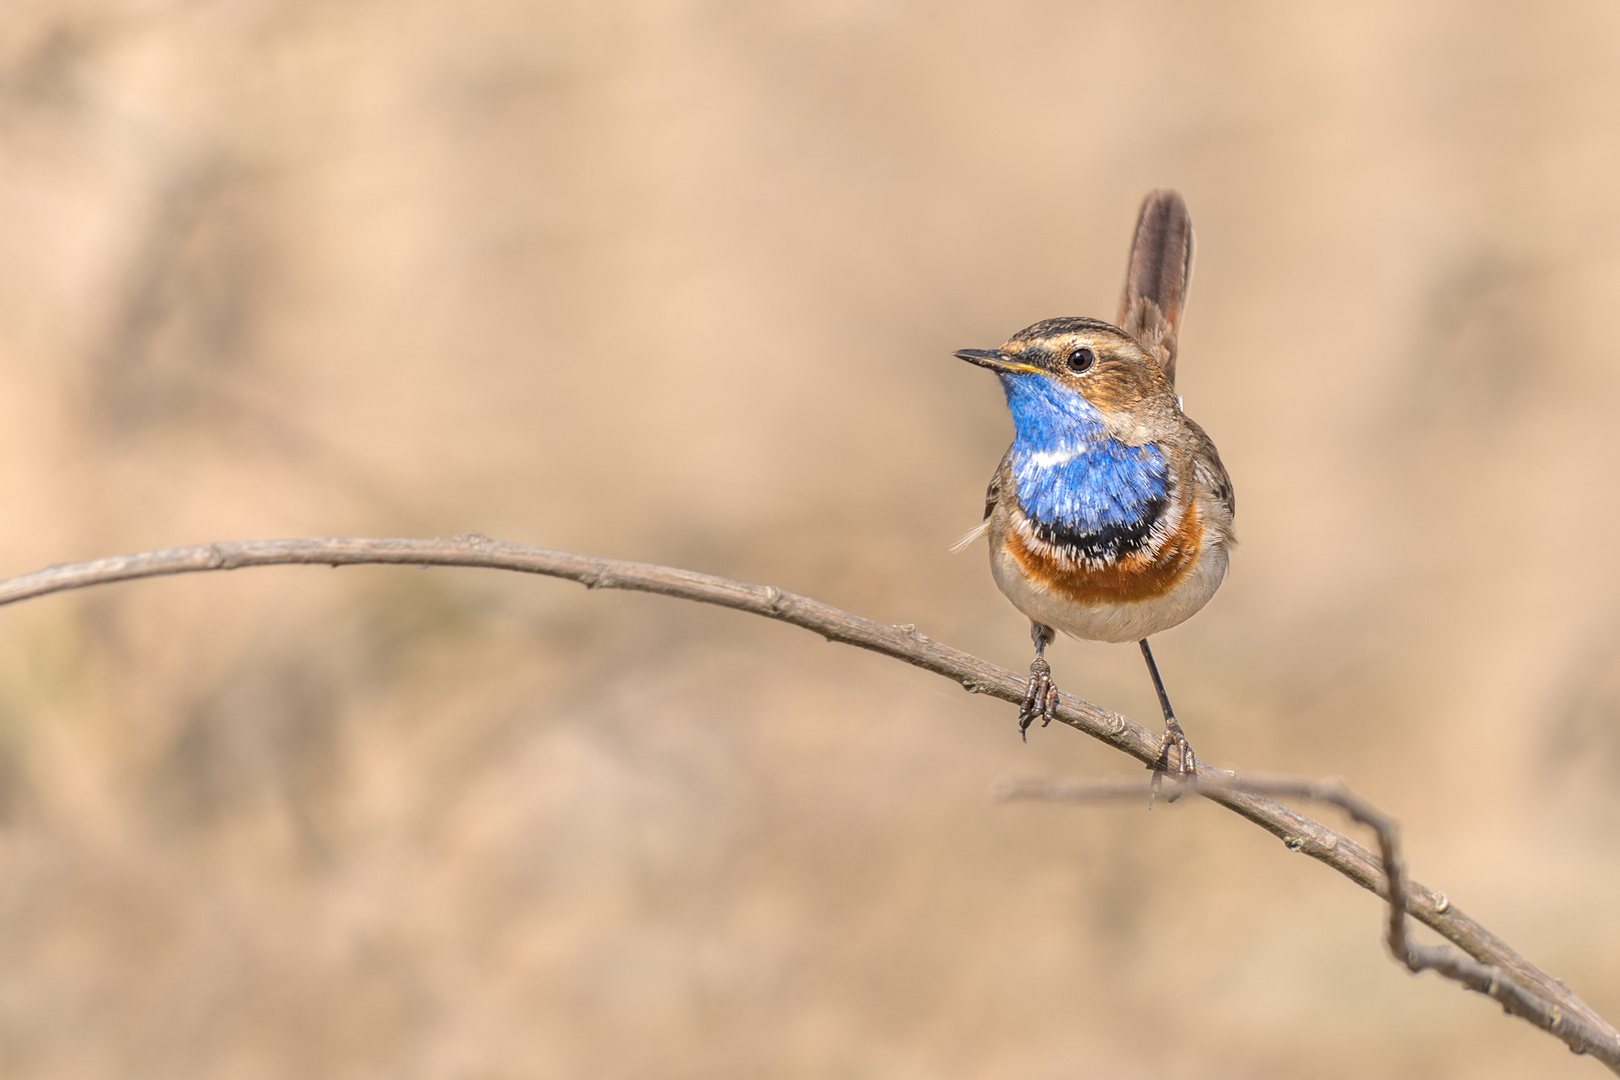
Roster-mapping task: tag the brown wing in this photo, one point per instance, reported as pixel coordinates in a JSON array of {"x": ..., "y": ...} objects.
[
  {"x": 1157, "y": 278},
  {"x": 992, "y": 494},
  {"x": 1208, "y": 470}
]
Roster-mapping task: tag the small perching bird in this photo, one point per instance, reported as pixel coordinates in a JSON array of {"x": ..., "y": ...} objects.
[{"x": 1110, "y": 516}]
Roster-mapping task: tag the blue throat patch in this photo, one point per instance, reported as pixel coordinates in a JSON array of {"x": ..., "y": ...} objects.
[{"x": 1081, "y": 487}]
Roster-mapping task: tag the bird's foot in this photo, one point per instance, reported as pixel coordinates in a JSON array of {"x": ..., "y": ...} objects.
[
  {"x": 1186, "y": 765},
  {"x": 1040, "y": 700}
]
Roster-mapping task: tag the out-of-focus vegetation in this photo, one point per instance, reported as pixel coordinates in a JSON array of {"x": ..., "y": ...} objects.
[{"x": 680, "y": 283}]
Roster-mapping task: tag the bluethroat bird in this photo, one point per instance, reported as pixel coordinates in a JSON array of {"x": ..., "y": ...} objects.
[{"x": 1110, "y": 516}]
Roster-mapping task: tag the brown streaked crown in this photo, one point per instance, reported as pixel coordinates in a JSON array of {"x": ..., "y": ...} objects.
[{"x": 1063, "y": 324}]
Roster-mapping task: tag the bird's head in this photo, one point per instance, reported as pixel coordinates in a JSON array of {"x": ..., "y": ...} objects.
[{"x": 1084, "y": 369}]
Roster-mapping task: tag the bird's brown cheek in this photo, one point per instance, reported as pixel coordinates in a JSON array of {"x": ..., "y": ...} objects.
[{"x": 1112, "y": 388}]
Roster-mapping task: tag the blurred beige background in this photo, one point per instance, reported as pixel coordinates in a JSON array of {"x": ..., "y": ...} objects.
[{"x": 680, "y": 282}]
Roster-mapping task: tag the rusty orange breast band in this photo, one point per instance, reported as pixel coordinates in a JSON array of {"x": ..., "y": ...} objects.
[{"x": 1141, "y": 575}]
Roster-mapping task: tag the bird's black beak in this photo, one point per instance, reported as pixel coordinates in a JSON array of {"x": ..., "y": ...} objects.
[{"x": 994, "y": 359}]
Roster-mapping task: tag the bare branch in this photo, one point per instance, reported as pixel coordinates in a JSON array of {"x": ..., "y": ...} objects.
[
  {"x": 1298, "y": 832},
  {"x": 1579, "y": 1035}
]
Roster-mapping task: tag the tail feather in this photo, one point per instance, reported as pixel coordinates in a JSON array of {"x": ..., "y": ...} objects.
[{"x": 1158, "y": 276}]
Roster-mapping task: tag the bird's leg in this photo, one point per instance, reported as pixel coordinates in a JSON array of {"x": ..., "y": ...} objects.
[
  {"x": 1041, "y": 699},
  {"x": 1186, "y": 764}
]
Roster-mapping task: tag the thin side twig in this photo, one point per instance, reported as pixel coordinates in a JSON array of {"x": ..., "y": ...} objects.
[
  {"x": 905, "y": 643},
  {"x": 1579, "y": 1035}
]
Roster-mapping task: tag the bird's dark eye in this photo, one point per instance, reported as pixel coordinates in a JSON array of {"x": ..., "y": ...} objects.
[{"x": 1081, "y": 359}]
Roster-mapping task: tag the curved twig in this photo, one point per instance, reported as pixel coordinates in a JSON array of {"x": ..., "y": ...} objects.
[
  {"x": 906, "y": 643},
  {"x": 1577, "y": 1034}
]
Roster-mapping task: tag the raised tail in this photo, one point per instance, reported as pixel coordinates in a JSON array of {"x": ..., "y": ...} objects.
[{"x": 1158, "y": 276}]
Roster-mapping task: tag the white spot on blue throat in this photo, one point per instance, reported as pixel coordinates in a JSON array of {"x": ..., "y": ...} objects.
[{"x": 1069, "y": 471}]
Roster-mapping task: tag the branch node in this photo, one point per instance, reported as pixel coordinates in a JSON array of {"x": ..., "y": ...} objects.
[
  {"x": 970, "y": 685},
  {"x": 1441, "y": 903},
  {"x": 1294, "y": 843}
]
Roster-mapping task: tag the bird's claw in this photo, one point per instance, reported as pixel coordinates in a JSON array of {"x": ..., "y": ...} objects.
[
  {"x": 1186, "y": 763},
  {"x": 1040, "y": 700}
]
